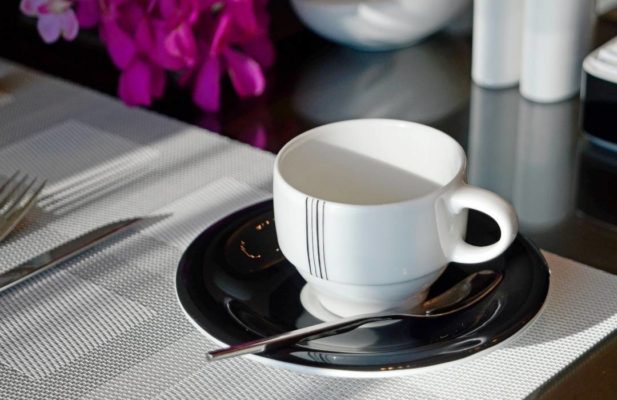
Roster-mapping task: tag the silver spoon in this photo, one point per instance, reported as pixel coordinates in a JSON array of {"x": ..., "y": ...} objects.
[{"x": 460, "y": 296}]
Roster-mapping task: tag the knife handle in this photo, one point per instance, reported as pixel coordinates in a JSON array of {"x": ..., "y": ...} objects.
[
  {"x": 33, "y": 267},
  {"x": 62, "y": 253}
]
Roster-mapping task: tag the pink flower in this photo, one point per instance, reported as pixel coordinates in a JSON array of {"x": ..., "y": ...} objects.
[
  {"x": 129, "y": 31},
  {"x": 179, "y": 39},
  {"x": 201, "y": 41},
  {"x": 55, "y": 18},
  {"x": 239, "y": 45}
]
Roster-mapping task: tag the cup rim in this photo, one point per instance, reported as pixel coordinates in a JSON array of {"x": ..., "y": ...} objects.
[{"x": 458, "y": 176}]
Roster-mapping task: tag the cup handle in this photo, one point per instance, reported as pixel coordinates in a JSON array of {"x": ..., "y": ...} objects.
[{"x": 489, "y": 203}]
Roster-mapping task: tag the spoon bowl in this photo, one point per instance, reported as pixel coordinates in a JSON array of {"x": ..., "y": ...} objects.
[{"x": 461, "y": 296}]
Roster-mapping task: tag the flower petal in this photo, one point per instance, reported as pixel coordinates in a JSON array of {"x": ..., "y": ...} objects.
[
  {"x": 69, "y": 24},
  {"x": 88, "y": 13},
  {"x": 262, "y": 50},
  {"x": 159, "y": 54},
  {"x": 49, "y": 26},
  {"x": 30, "y": 7},
  {"x": 143, "y": 37},
  {"x": 129, "y": 13},
  {"x": 135, "y": 84},
  {"x": 221, "y": 31},
  {"x": 120, "y": 45},
  {"x": 167, "y": 8},
  {"x": 207, "y": 90},
  {"x": 245, "y": 73},
  {"x": 194, "y": 10},
  {"x": 180, "y": 43},
  {"x": 244, "y": 15}
]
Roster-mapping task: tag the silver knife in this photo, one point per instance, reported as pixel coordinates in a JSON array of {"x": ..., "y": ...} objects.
[{"x": 63, "y": 252}]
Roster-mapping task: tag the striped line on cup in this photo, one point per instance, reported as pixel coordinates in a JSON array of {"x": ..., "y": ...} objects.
[{"x": 315, "y": 237}]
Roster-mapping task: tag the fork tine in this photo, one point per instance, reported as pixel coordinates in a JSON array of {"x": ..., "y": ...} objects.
[
  {"x": 9, "y": 181},
  {"x": 20, "y": 197},
  {"x": 9, "y": 195},
  {"x": 10, "y": 221}
]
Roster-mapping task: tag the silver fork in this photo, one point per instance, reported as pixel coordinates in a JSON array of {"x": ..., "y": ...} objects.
[{"x": 17, "y": 196}]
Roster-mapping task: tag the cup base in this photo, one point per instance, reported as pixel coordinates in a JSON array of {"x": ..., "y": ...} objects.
[
  {"x": 328, "y": 308},
  {"x": 313, "y": 306}
]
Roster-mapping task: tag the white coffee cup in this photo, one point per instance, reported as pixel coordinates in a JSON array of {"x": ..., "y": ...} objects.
[{"x": 371, "y": 211}]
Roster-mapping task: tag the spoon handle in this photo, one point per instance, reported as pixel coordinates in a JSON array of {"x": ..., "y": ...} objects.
[
  {"x": 460, "y": 296},
  {"x": 308, "y": 333}
]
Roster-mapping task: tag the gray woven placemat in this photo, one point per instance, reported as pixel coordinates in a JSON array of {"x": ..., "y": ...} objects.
[{"x": 107, "y": 324}]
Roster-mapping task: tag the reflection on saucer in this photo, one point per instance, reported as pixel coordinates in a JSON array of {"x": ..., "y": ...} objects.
[
  {"x": 313, "y": 306},
  {"x": 311, "y": 303},
  {"x": 526, "y": 152},
  {"x": 422, "y": 83}
]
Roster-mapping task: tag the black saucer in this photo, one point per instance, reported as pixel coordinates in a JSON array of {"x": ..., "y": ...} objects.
[{"x": 235, "y": 285}]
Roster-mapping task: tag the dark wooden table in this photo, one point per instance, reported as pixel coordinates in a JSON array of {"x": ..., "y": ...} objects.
[{"x": 564, "y": 188}]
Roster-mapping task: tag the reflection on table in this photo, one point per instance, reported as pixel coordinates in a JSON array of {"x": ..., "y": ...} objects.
[
  {"x": 420, "y": 83},
  {"x": 597, "y": 183},
  {"x": 526, "y": 152}
]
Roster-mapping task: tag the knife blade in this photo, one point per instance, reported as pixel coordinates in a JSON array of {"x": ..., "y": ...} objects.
[{"x": 63, "y": 252}]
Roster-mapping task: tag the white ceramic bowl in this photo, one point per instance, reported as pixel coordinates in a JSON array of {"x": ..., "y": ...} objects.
[{"x": 377, "y": 24}]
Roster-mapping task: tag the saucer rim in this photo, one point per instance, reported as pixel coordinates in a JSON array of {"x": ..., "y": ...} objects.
[{"x": 341, "y": 371}]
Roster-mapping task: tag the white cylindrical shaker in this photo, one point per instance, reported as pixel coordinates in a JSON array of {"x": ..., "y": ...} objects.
[
  {"x": 556, "y": 38},
  {"x": 497, "y": 32}
]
